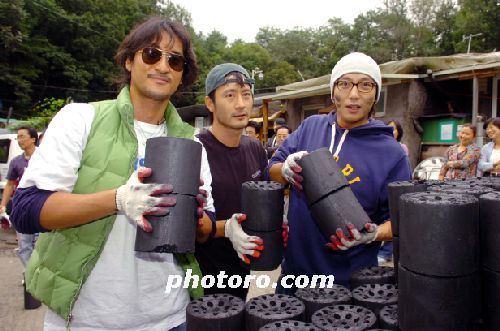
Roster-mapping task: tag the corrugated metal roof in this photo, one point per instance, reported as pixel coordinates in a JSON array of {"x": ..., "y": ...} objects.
[
  {"x": 419, "y": 65},
  {"x": 394, "y": 72}
]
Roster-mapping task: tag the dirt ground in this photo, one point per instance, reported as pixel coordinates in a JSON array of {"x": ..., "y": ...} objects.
[{"x": 13, "y": 316}]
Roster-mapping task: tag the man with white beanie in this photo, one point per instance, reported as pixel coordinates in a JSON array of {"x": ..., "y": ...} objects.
[{"x": 369, "y": 157}]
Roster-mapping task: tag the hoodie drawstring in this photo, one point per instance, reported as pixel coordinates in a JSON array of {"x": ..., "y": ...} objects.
[{"x": 342, "y": 139}]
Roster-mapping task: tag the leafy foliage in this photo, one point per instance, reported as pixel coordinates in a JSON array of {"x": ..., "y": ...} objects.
[
  {"x": 55, "y": 49},
  {"x": 44, "y": 111}
]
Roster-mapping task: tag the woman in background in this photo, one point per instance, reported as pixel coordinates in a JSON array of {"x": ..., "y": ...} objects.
[
  {"x": 461, "y": 159},
  {"x": 489, "y": 162},
  {"x": 398, "y": 133}
]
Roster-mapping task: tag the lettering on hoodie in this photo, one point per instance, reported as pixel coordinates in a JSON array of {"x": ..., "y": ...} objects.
[{"x": 347, "y": 171}]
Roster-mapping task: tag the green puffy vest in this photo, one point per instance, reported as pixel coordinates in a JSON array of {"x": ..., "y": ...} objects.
[{"x": 63, "y": 259}]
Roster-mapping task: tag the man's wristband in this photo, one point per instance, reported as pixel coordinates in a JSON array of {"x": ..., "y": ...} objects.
[
  {"x": 214, "y": 226},
  {"x": 214, "y": 229}
]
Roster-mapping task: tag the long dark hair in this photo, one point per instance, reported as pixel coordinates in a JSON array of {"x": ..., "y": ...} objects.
[
  {"x": 150, "y": 32},
  {"x": 398, "y": 127}
]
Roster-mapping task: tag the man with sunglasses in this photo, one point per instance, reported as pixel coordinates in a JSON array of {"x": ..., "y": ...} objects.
[
  {"x": 82, "y": 192},
  {"x": 368, "y": 156},
  {"x": 234, "y": 159}
]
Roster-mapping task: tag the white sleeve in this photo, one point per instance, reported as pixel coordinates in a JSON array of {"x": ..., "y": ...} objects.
[
  {"x": 206, "y": 176},
  {"x": 54, "y": 165},
  {"x": 485, "y": 164}
]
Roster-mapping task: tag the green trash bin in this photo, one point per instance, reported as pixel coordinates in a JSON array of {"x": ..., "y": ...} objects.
[{"x": 441, "y": 130}]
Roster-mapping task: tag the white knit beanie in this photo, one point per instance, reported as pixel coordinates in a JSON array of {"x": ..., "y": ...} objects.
[{"x": 357, "y": 63}]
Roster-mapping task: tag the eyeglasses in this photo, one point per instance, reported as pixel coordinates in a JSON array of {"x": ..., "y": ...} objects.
[
  {"x": 151, "y": 55},
  {"x": 363, "y": 87}
]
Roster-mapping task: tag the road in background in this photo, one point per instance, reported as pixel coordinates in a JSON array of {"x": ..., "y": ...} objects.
[{"x": 13, "y": 316}]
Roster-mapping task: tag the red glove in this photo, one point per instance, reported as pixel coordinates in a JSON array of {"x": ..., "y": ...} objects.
[
  {"x": 341, "y": 242},
  {"x": 4, "y": 220},
  {"x": 201, "y": 197},
  {"x": 284, "y": 234}
]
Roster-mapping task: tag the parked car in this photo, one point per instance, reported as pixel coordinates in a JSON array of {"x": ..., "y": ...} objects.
[
  {"x": 9, "y": 149},
  {"x": 429, "y": 168}
]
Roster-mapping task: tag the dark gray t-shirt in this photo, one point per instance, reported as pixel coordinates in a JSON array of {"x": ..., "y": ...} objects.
[
  {"x": 230, "y": 167},
  {"x": 16, "y": 168}
]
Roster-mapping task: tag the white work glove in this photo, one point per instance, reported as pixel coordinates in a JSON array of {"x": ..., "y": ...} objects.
[
  {"x": 243, "y": 244},
  {"x": 136, "y": 199},
  {"x": 341, "y": 242},
  {"x": 290, "y": 170}
]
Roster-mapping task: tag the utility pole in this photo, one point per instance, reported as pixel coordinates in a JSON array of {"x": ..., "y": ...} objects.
[
  {"x": 300, "y": 74},
  {"x": 464, "y": 37},
  {"x": 259, "y": 73},
  {"x": 9, "y": 114}
]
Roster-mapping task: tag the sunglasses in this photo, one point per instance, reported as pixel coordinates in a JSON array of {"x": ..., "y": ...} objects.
[{"x": 151, "y": 55}]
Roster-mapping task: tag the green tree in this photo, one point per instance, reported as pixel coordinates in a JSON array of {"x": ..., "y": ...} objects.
[
  {"x": 248, "y": 55},
  {"x": 279, "y": 73},
  {"x": 477, "y": 16},
  {"x": 59, "y": 48},
  {"x": 334, "y": 41},
  {"x": 16, "y": 69},
  {"x": 443, "y": 30},
  {"x": 43, "y": 112},
  {"x": 210, "y": 51},
  {"x": 423, "y": 15},
  {"x": 64, "y": 48},
  {"x": 385, "y": 33},
  {"x": 176, "y": 13},
  {"x": 298, "y": 47},
  {"x": 252, "y": 56}
]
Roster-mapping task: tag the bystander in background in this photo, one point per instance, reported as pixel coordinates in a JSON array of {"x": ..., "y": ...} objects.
[
  {"x": 461, "y": 159},
  {"x": 281, "y": 134},
  {"x": 271, "y": 142},
  {"x": 398, "y": 133},
  {"x": 27, "y": 138},
  {"x": 253, "y": 130},
  {"x": 489, "y": 161}
]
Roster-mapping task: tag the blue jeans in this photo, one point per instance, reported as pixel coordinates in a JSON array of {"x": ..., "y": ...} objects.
[
  {"x": 25, "y": 242},
  {"x": 386, "y": 250},
  {"x": 181, "y": 327},
  {"x": 281, "y": 290}
]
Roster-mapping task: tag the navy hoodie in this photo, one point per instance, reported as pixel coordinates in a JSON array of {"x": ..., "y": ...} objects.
[{"x": 371, "y": 158}]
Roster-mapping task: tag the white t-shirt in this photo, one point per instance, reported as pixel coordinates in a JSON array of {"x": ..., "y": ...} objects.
[{"x": 126, "y": 289}]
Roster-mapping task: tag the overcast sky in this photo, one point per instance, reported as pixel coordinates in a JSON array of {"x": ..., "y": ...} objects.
[{"x": 242, "y": 19}]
